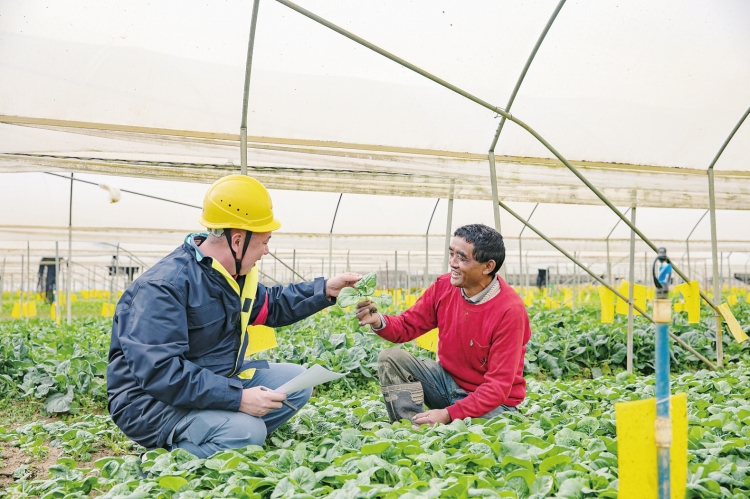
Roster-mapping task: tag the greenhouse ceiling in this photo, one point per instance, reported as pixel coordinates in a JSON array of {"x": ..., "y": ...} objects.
[{"x": 638, "y": 96}]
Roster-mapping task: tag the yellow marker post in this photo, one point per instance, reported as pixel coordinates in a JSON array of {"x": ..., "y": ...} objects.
[
  {"x": 529, "y": 298},
  {"x": 732, "y": 299},
  {"x": 692, "y": 305},
  {"x": 568, "y": 297},
  {"x": 16, "y": 312},
  {"x": 639, "y": 298},
  {"x": 734, "y": 326},
  {"x": 636, "y": 448},
  {"x": 108, "y": 310},
  {"x": 29, "y": 309},
  {"x": 607, "y": 301},
  {"x": 428, "y": 341}
]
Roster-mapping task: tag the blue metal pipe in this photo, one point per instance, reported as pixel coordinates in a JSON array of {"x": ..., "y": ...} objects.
[
  {"x": 662, "y": 274},
  {"x": 662, "y": 404}
]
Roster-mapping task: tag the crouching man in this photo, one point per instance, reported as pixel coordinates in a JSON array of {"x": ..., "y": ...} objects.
[
  {"x": 483, "y": 331},
  {"x": 178, "y": 374}
]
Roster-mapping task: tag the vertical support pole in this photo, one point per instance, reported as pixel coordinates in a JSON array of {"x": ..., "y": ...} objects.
[
  {"x": 408, "y": 270},
  {"x": 716, "y": 280},
  {"x": 22, "y": 285},
  {"x": 729, "y": 271},
  {"x": 427, "y": 247},
  {"x": 248, "y": 70},
  {"x": 57, "y": 283},
  {"x": 557, "y": 276},
  {"x": 28, "y": 271},
  {"x": 348, "y": 265},
  {"x": 495, "y": 202},
  {"x": 330, "y": 255},
  {"x": 520, "y": 266},
  {"x": 609, "y": 266},
  {"x": 2, "y": 285},
  {"x": 69, "y": 263},
  {"x": 426, "y": 260},
  {"x": 387, "y": 277},
  {"x": 630, "y": 294},
  {"x": 687, "y": 247},
  {"x": 396, "y": 282},
  {"x": 294, "y": 265},
  {"x": 527, "y": 270},
  {"x": 113, "y": 276},
  {"x": 330, "y": 238},
  {"x": 448, "y": 226},
  {"x": 575, "y": 281}
]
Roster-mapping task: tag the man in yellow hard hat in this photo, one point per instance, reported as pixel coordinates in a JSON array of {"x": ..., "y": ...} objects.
[{"x": 178, "y": 374}]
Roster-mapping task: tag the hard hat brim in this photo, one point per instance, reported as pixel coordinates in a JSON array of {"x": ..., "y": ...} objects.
[{"x": 268, "y": 227}]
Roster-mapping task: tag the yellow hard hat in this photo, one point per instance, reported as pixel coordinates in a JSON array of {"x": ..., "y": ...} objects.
[{"x": 238, "y": 202}]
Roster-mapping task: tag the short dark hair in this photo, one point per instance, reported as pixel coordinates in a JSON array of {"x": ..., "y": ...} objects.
[{"x": 488, "y": 244}]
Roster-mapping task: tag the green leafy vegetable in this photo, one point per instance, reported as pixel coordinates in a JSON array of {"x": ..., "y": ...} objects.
[{"x": 363, "y": 290}]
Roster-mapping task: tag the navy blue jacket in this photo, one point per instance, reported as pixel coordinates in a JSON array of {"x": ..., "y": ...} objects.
[{"x": 176, "y": 337}]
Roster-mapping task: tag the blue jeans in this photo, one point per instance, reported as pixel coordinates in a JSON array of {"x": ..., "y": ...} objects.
[
  {"x": 409, "y": 383},
  {"x": 205, "y": 432}
]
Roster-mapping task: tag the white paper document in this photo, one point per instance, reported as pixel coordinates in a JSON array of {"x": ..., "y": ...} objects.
[{"x": 315, "y": 375}]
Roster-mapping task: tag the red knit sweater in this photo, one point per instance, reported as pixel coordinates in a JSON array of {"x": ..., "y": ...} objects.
[{"x": 481, "y": 346}]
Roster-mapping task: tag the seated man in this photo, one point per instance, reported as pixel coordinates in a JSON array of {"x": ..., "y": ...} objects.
[
  {"x": 177, "y": 373},
  {"x": 483, "y": 331}
]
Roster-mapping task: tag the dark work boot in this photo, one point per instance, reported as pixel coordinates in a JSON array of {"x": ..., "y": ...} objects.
[{"x": 403, "y": 401}]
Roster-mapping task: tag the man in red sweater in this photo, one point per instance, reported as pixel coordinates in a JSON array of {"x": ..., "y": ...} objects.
[{"x": 483, "y": 331}]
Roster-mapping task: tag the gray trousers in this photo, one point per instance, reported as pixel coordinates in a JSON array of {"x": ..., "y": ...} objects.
[
  {"x": 204, "y": 432},
  {"x": 409, "y": 383}
]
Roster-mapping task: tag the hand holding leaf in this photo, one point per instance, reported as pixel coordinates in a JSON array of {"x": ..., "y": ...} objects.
[{"x": 363, "y": 290}]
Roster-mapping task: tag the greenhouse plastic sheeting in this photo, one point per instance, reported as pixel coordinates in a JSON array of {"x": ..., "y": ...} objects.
[
  {"x": 652, "y": 88},
  {"x": 640, "y": 96},
  {"x": 365, "y": 224}
]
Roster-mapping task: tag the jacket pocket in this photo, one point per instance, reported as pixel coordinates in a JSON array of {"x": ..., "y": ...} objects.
[{"x": 206, "y": 315}]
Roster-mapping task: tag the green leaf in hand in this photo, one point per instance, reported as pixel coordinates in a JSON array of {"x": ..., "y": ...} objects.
[
  {"x": 382, "y": 301},
  {"x": 367, "y": 284},
  {"x": 364, "y": 289},
  {"x": 348, "y": 297}
]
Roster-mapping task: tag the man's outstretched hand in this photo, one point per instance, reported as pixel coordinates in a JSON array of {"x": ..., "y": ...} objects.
[
  {"x": 367, "y": 313},
  {"x": 432, "y": 417},
  {"x": 335, "y": 284}
]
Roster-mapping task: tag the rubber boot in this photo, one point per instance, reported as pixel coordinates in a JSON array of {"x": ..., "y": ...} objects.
[{"x": 403, "y": 401}]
